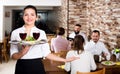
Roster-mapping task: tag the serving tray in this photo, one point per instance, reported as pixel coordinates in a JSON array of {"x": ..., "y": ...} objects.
[{"x": 15, "y": 42}]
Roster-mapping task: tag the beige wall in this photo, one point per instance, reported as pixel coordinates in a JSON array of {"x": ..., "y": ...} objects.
[{"x": 103, "y": 15}]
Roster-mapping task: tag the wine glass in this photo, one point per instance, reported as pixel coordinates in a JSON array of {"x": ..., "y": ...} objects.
[
  {"x": 23, "y": 35},
  {"x": 36, "y": 35}
]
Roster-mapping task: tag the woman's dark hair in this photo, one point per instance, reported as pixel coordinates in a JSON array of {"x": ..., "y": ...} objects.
[
  {"x": 32, "y": 7},
  {"x": 60, "y": 31},
  {"x": 78, "y": 43}
]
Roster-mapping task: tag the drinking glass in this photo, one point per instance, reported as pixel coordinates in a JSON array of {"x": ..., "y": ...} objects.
[
  {"x": 23, "y": 35},
  {"x": 36, "y": 35}
]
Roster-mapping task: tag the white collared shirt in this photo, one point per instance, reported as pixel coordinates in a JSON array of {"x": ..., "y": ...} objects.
[
  {"x": 86, "y": 62},
  {"x": 97, "y": 48},
  {"x": 72, "y": 35},
  {"x": 35, "y": 51}
]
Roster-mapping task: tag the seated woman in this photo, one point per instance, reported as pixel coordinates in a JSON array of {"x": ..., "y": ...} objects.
[
  {"x": 60, "y": 43},
  {"x": 86, "y": 62}
]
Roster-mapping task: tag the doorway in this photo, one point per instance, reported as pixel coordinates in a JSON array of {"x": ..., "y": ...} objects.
[{"x": 17, "y": 20}]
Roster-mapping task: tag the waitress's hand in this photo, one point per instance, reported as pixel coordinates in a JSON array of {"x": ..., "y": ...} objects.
[
  {"x": 25, "y": 49},
  {"x": 21, "y": 53},
  {"x": 72, "y": 59}
]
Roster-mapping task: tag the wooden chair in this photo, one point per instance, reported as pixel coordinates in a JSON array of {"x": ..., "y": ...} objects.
[
  {"x": 102, "y": 71},
  {"x": 4, "y": 51},
  {"x": 1, "y": 44},
  {"x": 61, "y": 53}
]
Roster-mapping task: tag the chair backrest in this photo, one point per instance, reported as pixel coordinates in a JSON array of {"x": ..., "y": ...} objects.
[
  {"x": 4, "y": 44},
  {"x": 61, "y": 53},
  {"x": 102, "y": 71}
]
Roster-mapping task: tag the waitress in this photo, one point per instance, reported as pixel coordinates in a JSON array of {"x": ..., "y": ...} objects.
[{"x": 29, "y": 57}]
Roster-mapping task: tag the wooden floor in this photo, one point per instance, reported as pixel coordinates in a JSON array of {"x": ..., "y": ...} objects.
[{"x": 7, "y": 68}]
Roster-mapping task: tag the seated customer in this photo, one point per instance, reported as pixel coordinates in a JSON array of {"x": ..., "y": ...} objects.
[
  {"x": 60, "y": 43},
  {"x": 97, "y": 47},
  {"x": 86, "y": 62},
  {"x": 77, "y": 31}
]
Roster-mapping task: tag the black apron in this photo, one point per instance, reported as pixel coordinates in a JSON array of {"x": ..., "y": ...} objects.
[{"x": 29, "y": 66}]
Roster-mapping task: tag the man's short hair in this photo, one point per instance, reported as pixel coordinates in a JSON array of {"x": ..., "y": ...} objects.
[
  {"x": 96, "y": 31},
  {"x": 78, "y": 25}
]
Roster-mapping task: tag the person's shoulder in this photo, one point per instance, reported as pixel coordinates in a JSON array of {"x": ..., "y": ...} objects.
[
  {"x": 52, "y": 39},
  {"x": 72, "y": 33},
  {"x": 100, "y": 42},
  {"x": 82, "y": 32},
  {"x": 70, "y": 52},
  {"x": 89, "y": 42},
  {"x": 64, "y": 39},
  {"x": 87, "y": 52}
]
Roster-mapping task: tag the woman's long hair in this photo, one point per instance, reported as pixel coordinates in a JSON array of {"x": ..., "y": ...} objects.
[{"x": 78, "y": 43}]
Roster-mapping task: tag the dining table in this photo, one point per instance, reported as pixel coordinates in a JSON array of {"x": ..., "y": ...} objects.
[
  {"x": 51, "y": 67},
  {"x": 110, "y": 69}
]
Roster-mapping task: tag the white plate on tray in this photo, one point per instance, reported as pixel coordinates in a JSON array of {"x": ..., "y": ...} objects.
[
  {"x": 108, "y": 63},
  {"x": 28, "y": 42}
]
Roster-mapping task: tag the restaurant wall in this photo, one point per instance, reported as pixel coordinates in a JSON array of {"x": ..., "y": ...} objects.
[
  {"x": 78, "y": 14},
  {"x": 1, "y": 22},
  {"x": 103, "y": 15},
  {"x": 61, "y": 14}
]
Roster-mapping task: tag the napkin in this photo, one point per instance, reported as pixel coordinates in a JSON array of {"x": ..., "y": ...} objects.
[
  {"x": 61, "y": 66},
  {"x": 117, "y": 63}
]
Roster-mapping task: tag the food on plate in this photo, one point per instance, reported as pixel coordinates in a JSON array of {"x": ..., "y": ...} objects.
[
  {"x": 31, "y": 41},
  {"x": 108, "y": 63},
  {"x": 29, "y": 38}
]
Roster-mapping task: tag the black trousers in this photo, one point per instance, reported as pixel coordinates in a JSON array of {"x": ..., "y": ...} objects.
[{"x": 29, "y": 66}]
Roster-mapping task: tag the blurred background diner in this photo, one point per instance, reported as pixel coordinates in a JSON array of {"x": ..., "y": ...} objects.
[
  {"x": 60, "y": 43},
  {"x": 77, "y": 31},
  {"x": 86, "y": 63},
  {"x": 96, "y": 47}
]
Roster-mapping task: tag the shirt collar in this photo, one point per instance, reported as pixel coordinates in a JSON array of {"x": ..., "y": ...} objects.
[
  {"x": 23, "y": 27},
  {"x": 59, "y": 36},
  {"x": 92, "y": 42}
]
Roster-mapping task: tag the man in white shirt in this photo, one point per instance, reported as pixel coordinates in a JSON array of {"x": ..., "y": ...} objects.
[
  {"x": 97, "y": 47},
  {"x": 77, "y": 29}
]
